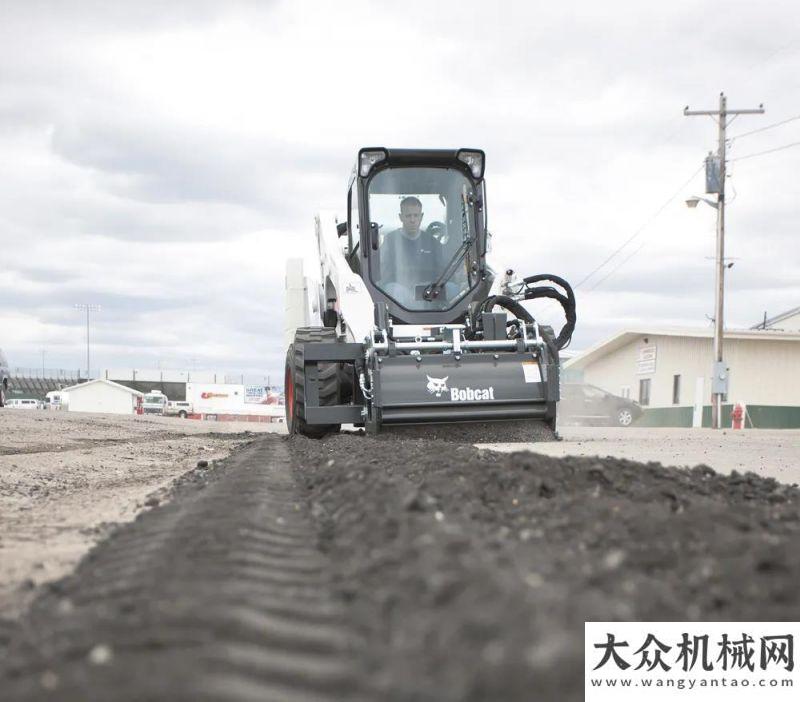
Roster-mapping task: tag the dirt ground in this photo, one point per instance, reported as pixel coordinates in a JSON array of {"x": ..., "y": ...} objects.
[
  {"x": 444, "y": 572},
  {"x": 769, "y": 453},
  {"x": 66, "y": 478}
]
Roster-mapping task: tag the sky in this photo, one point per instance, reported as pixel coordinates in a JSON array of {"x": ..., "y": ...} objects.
[{"x": 163, "y": 159}]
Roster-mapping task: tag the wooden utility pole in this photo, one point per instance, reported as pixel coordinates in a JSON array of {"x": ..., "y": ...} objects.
[{"x": 719, "y": 378}]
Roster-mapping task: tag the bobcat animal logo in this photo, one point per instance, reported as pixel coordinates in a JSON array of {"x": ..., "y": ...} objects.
[{"x": 436, "y": 386}]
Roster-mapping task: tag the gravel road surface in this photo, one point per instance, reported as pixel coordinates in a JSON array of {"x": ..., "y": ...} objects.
[
  {"x": 66, "y": 478},
  {"x": 356, "y": 568},
  {"x": 770, "y": 453}
]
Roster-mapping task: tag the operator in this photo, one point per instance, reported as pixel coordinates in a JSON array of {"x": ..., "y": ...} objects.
[
  {"x": 411, "y": 217},
  {"x": 407, "y": 253}
]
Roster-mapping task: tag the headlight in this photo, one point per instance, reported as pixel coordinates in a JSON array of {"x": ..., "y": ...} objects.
[
  {"x": 367, "y": 159},
  {"x": 474, "y": 159}
]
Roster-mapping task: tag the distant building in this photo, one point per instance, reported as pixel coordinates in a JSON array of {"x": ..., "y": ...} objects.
[
  {"x": 103, "y": 396},
  {"x": 668, "y": 371},
  {"x": 173, "y": 382}
]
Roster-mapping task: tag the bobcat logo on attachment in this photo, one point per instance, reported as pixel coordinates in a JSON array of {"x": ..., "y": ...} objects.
[{"x": 436, "y": 386}]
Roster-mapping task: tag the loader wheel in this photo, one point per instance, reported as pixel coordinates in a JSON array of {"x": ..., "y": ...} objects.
[{"x": 329, "y": 383}]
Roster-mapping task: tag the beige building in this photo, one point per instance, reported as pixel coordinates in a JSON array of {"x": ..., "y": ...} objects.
[
  {"x": 103, "y": 396},
  {"x": 668, "y": 371}
]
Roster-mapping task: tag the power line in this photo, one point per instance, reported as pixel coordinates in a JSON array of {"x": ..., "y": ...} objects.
[
  {"x": 760, "y": 62},
  {"x": 629, "y": 257},
  {"x": 768, "y": 151},
  {"x": 764, "y": 129},
  {"x": 640, "y": 229},
  {"x": 550, "y": 304},
  {"x": 618, "y": 266}
]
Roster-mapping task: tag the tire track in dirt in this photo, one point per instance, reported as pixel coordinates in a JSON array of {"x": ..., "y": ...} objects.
[{"x": 220, "y": 594}]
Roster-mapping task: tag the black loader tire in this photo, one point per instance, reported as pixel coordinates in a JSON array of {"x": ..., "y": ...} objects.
[
  {"x": 549, "y": 338},
  {"x": 329, "y": 379},
  {"x": 3, "y": 391}
]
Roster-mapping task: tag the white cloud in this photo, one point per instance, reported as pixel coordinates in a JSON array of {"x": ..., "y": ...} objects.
[{"x": 163, "y": 161}]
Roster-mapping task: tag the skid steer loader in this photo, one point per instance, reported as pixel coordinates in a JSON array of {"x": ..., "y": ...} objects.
[{"x": 400, "y": 324}]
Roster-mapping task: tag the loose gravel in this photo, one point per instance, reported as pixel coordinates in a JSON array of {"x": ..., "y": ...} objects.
[{"x": 401, "y": 569}]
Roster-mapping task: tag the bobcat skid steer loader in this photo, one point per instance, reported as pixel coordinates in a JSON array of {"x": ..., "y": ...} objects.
[{"x": 399, "y": 325}]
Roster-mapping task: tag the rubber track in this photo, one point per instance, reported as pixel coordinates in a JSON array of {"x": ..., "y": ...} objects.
[{"x": 220, "y": 594}]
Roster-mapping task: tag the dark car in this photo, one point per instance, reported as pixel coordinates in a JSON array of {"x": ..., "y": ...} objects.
[{"x": 588, "y": 404}]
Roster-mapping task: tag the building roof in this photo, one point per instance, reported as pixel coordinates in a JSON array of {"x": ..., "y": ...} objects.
[
  {"x": 771, "y": 322},
  {"x": 111, "y": 383},
  {"x": 622, "y": 338}
]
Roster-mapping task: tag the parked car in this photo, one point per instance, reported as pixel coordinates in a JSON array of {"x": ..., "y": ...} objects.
[
  {"x": 24, "y": 403},
  {"x": 155, "y": 402},
  {"x": 587, "y": 404},
  {"x": 178, "y": 408},
  {"x": 5, "y": 375}
]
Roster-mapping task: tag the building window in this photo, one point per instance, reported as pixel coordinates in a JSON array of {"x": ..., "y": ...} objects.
[
  {"x": 626, "y": 392},
  {"x": 676, "y": 389},
  {"x": 644, "y": 392}
]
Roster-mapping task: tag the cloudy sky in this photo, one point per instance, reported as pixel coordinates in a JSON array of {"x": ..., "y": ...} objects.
[{"x": 162, "y": 159}]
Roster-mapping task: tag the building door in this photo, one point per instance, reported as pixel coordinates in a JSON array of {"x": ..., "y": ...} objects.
[{"x": 644, "y": 392}]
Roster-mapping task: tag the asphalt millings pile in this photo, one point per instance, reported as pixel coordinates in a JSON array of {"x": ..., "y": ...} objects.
[{"x": 470, "y": 574}]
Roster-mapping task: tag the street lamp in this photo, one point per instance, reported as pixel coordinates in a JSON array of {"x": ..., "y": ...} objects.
[
  {"x": 719, "y": 377},
  {"x": 88, "y": 308},
  {"x": 694, "y": 200}
]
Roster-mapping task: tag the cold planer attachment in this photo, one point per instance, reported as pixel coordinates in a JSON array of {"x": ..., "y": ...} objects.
[
  {"x": 505, "y": 384},
  {"x": 490, "y": 370}
]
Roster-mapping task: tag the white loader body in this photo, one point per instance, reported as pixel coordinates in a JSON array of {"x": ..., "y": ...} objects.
[{"x": 308, "y": 291}]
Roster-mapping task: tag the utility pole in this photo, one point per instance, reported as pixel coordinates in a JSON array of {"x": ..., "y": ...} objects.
[
  {"x": 719, "y": 378},
  {"x": 88, "y": 308}
]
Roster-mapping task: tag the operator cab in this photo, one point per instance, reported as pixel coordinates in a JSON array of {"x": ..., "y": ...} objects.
[{"x": 417, "y": 231}]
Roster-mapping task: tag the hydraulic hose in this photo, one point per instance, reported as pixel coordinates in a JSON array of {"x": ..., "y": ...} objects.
[
  {"x": 507, "y": 303},
  {"x": 531, "y": 292}
]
